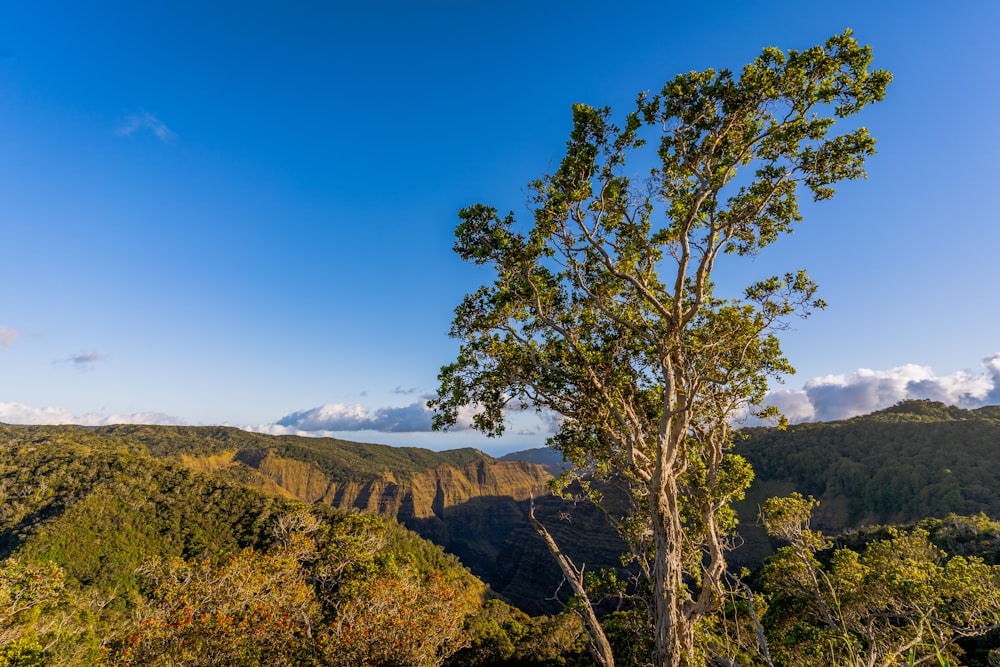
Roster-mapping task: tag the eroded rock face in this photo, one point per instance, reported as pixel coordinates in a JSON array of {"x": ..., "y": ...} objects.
[
  {"x": 425, "y": 495},
  {"x": 477, "y": 511},
  {"x": 428, "y": 494}
]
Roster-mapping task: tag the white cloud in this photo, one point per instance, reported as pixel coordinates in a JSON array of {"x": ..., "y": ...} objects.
[
  {"x": 160, "y": 418},
  {"x": 8, "y": 336},
  {"x": 834, "y": 397},
  {"x": 795, "y": 405},
  {"x": 334, "y": 417},
  {"x": 340, "y": 417},
  {"x": 137, "y": 122},
  {"x": 17, "y": 413}
]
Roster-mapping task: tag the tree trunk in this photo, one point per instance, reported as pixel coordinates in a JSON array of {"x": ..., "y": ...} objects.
[{"x": 674, "y": 632}]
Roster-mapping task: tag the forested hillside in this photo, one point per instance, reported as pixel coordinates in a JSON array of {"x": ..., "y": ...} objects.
[
  {"x": 469, "y": 503},
  {"x": 111, "y": 556},
  {"x": 914, "y": 460}
]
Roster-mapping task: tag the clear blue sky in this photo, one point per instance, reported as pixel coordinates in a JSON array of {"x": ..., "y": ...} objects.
[{"x": 239, "y": 212}]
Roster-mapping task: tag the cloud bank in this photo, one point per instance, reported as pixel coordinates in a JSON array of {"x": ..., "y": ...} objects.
[
  {"x": 328, "y": 417},
  {"x": 17, "y": 413},
  {"x": 333, "y": 417},
  {"x": 834, "y": 397},
  {"x": 827, "y": 398}
]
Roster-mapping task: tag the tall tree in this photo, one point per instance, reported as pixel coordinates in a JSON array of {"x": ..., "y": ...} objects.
[{"x": 603, "y": 310}]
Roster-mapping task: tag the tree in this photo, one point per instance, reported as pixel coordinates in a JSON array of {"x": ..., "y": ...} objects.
[
  {"x": 26, "y": 589},
  {"x": 324, "y": 595},
  {"x": 898, "y": 601},
  {"x": 603, "y": 310},
  {"x": 397, "y": 620},
  {"x": 253, "y": 608}
]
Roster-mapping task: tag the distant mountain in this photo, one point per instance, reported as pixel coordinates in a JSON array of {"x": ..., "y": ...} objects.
[
  {"x": 89, "y": 518},
  {"x": 914, "y": 460},
  {"x": 917, "y": 459},
  {"x": 546, "y": 457}
]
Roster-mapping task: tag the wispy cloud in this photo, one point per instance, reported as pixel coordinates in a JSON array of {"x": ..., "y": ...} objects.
[
  {"x": 17, "y": 413},
  {"x": 404, "y": 391},
  {"x": 833, "y": 397},
  {"x": 83, "y": 361},
  {"x": 86, "y": 358},
  {"x": 144, "y": 121},
  {"x": 7, "y": 337}
]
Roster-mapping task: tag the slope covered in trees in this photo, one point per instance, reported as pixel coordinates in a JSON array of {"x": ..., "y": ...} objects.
[
  {"x": 467, "y": 502},
  {"x": 111, "y": 556},
  {"x": 339, "y": 460},
  {"x": 916, "y": 459}
]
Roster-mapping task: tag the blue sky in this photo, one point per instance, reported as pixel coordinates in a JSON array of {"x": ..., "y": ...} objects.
[{"x": 242, "y": 212}]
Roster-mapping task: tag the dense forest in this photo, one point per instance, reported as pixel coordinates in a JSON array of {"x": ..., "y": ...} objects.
[{"x": 176, "y": 545}]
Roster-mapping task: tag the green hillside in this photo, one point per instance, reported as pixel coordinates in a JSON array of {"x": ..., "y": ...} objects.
[
  {"x": 106, "y": 552},
  {"x": 900, "y": 465},
  {"x": 481, "y": 517},
  {"x": 341, "y": 460},
  {"x": 914, "y": 460}
]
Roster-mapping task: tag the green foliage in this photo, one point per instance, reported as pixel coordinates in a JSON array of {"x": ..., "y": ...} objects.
[
  {"x": 107, "y": 547},
  {"x": 502, "y": 636},
  {"x": 250, "y": 609},
  {"x": 43, "y": 618},
  {"x": 288, "y": 466},
  {"x": 630, "y": 638},
  {"x": 324, "y": 595},
  {"x": 396, "y": 620},
  {"x": 25, "y": 651},
  {"x": 27, "y": 592},
  {"x": 102, "y": 534},
  {"x": 898, "y": 599},
  {"x": 109, "y": 511}
]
